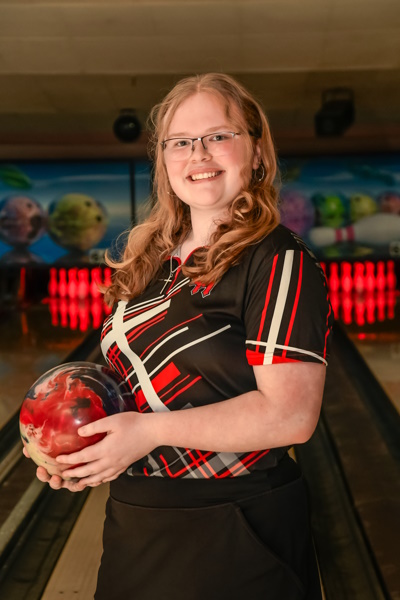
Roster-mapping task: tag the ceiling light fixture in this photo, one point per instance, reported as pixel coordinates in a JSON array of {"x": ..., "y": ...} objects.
[
  {"x": 127, "y": 127},
  {"x": 336, "y": 114}
]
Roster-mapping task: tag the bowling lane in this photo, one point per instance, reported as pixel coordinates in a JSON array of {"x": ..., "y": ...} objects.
[
  {"x": 381, "y": 352},
  {"x": 378, "y": 342},
  {"x": 30, "y": 344}
]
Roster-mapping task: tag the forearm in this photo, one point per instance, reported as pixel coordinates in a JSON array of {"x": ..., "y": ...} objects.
[{"x": 242, "y": 424}]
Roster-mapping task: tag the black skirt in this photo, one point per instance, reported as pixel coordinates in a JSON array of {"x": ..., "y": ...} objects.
[{"x": 246, "y": 538}]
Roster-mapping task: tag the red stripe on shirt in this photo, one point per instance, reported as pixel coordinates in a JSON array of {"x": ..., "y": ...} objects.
[
  {"x": 267, "y": 298},
  {"x": 276, "y": 360},
  {"x": 328, "y": 331},
  {"x": 295, "y": 305},
  {"x": 179, "y": 392},
  {"x": 137, "y": 331}
]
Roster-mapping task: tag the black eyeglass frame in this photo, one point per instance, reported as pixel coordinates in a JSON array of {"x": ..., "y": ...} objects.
[{"x": 199, "y": 139}]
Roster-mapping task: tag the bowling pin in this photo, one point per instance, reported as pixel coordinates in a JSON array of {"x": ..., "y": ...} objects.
[
  {"x": 107, "y": 277},
  {"x": 359, "y": 310},
  {"x": 83, "y": 283},
  {"x": 334, "y": 282},
  {"x": 73, "y": 313},
  {"x": 376, "y": 230},
  {"x": 96, "y": 309},
  {"x": 380, "y": 305},
  {"x": 84, "y": 314},
  {"x": 347, "y": 307},
  {"x": 380, "y": 276},
  {"x": 358, "y": 282},
  {"x": 346, "y": 280},
  {"x": 369, "y": 279},
  {"x": 391, "y": 279},
  {"x": 53, "y": 285},
  {"x": 63, "y": 306},
  {"x": 72, "y": 289},
  {"x": 370, "y": 308},
  {"x": 62, "y": 283},
  {"x": 95, "y": 281}
]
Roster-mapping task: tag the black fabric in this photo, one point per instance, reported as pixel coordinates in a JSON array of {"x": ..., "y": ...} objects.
[{"x": 254, "y": 548}]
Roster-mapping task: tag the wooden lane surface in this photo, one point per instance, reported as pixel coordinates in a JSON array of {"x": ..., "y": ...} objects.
[{"x": 75, "y": 574}]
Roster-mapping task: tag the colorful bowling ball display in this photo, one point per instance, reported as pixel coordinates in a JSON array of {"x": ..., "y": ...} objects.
[
  {"x": 330, "y": 209},
  {"x": 361, "y": 205},
  {"x": 22, "y": 221},
  {"x": 77, "y": 222},
  {"x": 390, "y": 202},
  {"x": 297, "y": 211},
  {"x": 64, "y": 399}
]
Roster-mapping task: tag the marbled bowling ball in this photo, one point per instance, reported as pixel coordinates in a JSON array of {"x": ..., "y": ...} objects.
[
  {"x": 361, "y": 205},
  {"x": 61, "y": 401},
  {"x": 22, "y": 221},
  {"x": 390, "y": 202},
  {"x": 77, "y": 222},
  {"x": 297, "y": 211}
]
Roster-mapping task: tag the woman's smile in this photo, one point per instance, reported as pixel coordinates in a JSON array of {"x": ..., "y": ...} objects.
[{"x": 204, "y": 176}]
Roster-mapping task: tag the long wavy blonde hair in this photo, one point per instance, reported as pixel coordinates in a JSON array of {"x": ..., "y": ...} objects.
[{"x": 252, "y": 214}]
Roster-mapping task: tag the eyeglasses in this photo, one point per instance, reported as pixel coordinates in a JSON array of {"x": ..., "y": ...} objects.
[{"x": 217, "y": 144}]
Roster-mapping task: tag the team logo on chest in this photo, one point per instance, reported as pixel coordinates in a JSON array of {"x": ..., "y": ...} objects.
[{"x": 204, "y": 289}]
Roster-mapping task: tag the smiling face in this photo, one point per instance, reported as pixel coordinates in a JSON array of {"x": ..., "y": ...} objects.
[{"x": 206, "y": 183}]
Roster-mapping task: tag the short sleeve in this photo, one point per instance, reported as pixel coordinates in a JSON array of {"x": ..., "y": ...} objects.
[{"x": 287, "y": 313}]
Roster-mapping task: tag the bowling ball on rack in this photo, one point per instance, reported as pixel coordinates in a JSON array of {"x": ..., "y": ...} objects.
[
  {"x": 22, "y": 221},
  {"x": 64, "y": 399},
  {"x": 330, "y": 209},
  {"x": 297, "y": 211},
  {"x": 361, "y": 205},
  {"x": 77, "y": 222}
]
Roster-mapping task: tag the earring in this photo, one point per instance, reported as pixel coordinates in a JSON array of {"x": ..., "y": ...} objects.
[{"x": 261, "y": 177}]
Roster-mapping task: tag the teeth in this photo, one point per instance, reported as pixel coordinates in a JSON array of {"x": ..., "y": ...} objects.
[{"x": 204, "y": 175}]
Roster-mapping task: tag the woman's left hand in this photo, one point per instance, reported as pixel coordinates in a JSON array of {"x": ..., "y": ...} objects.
[{"x": 127, "y": 441}]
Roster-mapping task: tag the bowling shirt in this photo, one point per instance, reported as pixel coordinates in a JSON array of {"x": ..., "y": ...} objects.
[{"x": 182, "y": 344}]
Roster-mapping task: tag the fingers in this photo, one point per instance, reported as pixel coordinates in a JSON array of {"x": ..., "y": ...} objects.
[
  {"x": 42, "y": 474},
  {"x": 86, "y": 470},
  {"x": 57, "y": 483},
  {"x": 88, "y": 454},
  {"x": 95, "y": 475},
  {"x": 100, "y": 426},
  {"x": 74, "y": 486}
]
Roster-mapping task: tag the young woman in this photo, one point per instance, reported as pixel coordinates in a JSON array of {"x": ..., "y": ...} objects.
[{"x": 220, "y": 325}]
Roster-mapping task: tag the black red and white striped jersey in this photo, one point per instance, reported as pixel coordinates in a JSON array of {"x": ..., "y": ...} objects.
[{"x": 182, "y": 345}]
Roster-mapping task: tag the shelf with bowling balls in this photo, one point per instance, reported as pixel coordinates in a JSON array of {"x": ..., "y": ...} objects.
[
  {"x": 64, "y": 399},
  {"x": 74, "y": 299},
  {"x": 362, "y": 292}
]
